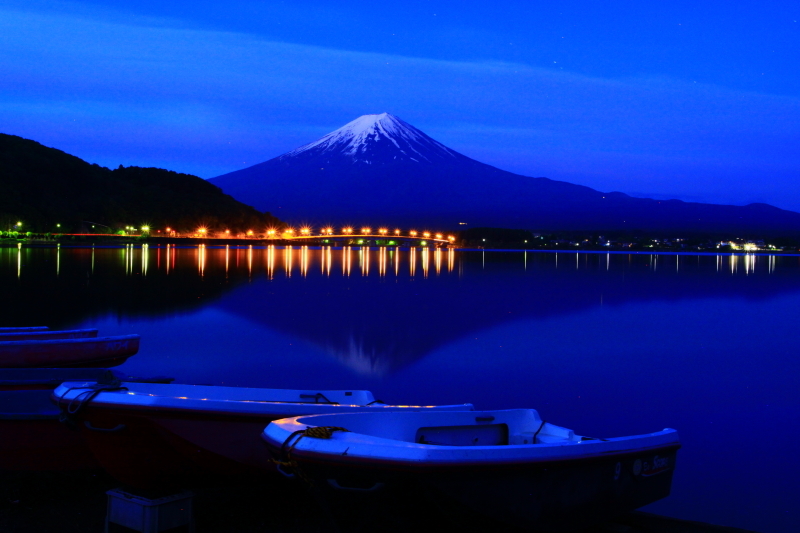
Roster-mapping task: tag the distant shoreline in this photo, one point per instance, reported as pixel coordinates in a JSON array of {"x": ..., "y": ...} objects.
[{"x": 113, "y": 240}]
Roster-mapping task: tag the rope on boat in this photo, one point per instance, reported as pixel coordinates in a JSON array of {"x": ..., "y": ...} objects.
[
  {"x": 69, "y": 413},
  {"x": 315, "y": 432},
  {"x": 533, "y": 441}
]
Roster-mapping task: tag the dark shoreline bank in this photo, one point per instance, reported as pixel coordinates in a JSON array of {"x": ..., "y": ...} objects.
[{"x": 75, "y": 502}]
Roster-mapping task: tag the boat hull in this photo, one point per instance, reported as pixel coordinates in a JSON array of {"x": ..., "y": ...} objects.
[
  {"x": 32, "y": 438},
  {"x": 158, "y": 449},
  {"x": 42, "y": 445},
  {"x": 82, "y": 352},
  {"x": 49, "y": 378},
  {"x": 544, "y": 497},
  {"x": 521, "y": 477},
  {"x": 47, "y": 335}
]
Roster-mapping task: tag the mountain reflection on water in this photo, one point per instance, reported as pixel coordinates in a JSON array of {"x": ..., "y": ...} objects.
[{"x": 376, "y": 311}]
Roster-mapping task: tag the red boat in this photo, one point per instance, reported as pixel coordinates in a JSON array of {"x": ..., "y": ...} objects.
[
  {"x": 44, "y": 335},
  {"x": 88, "y": 352},
  {"x": 31, "y": 435}
]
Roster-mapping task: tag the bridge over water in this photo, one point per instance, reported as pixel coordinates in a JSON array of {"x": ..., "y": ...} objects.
[{"x": 369, "y": 239}]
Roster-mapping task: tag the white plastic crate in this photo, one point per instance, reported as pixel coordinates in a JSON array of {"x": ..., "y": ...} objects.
[{"x": 149, "y": 516}]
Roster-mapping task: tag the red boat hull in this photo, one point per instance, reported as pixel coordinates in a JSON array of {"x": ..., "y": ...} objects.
[
  {"x": 47, "y": 335},
  {"x": 90, "y": 352},
  {"x": 31, "y": 436},
  {"x": 42, "y": 445},
  {"x": 163, "y": 448}
]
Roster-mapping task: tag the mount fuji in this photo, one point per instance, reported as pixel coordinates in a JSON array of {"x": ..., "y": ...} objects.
[{"x": 380, "y": 170}]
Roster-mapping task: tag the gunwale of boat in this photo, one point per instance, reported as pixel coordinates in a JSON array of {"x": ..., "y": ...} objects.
[
  {"x": 45, "y": 343},
  {"x": 356, "y": 446},
  {"x": 48, "y": 334},
  {"x": 224, "y": 399}
]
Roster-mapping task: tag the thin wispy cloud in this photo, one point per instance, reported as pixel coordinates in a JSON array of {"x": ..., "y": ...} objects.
[{"x": 154, "y": 92}]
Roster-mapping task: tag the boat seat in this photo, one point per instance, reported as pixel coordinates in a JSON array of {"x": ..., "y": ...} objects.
[
  {"x": 527, "y": 437},
  {"x": 472, "y": 435}
]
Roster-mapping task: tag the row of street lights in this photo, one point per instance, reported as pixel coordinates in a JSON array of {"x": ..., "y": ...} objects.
[
  {"x": 349, "y": 230},
  {"x": 306, "y": 231}
]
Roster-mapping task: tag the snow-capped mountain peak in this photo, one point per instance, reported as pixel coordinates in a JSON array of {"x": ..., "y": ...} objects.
[{"x": 371, "y": 136}]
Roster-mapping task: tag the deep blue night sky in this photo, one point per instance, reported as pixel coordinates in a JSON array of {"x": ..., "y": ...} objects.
[{"x": 676, "y": 100}]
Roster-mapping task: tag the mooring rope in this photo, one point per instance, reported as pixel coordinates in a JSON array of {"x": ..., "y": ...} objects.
[
  {"x": 315, "y": 432},
  {"x": 533, "y": 441},
  {"x": 68, "y": 413}
]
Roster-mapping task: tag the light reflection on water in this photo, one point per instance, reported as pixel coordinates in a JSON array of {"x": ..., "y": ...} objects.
[
  {"x": 137, "y": 260},
  {"x": 608, "y": 344},
  {"x": 293, "y": 259}
]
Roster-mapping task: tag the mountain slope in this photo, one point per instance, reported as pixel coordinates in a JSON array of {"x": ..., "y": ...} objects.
[
  {"x": 380, "y": 170},
  {"x": 43, "y": 186}
]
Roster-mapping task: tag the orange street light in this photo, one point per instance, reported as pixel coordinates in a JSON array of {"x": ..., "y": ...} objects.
[{"x": 365, "y": 231}]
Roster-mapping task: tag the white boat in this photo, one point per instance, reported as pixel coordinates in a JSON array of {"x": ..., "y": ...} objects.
[
  {"x": 511, "y": 463},
  {"x": 151, "y": 435}
]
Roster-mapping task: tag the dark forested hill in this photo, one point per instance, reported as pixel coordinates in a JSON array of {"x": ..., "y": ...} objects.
[{"x": 43, "y": 187}]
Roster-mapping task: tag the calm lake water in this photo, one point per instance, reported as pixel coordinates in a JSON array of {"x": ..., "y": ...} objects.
[{"x": 605, "y": 344}]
